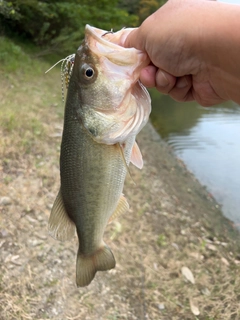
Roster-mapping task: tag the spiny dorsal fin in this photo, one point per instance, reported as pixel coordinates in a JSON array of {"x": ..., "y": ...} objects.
[
  {"x": 136, "y": 156},
  {"x": 122, "y": 207},
  {"x": 60, "y": 226}
]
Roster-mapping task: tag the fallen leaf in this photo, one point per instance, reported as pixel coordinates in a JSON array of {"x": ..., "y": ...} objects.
[
  {"x": 194, "y": 308},
  {"x": 225, "y": 261},
  {"x": 211, "y": 247},
  {"x": 187, "y": 273}
]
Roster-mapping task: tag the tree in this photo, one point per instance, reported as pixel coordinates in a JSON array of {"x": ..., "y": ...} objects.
[
  {"x": 141, "y": 8},
  {"x": 60, "y": 24},
  {"x": 147, "y": 7}
]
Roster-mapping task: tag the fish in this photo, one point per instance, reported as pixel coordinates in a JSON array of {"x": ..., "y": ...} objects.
[{"x": 106, "y": 107}]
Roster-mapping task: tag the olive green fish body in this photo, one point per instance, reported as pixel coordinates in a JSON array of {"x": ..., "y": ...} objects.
[
  {"x": 106, "y": 107},
  {"x": 92, "y": 178}
]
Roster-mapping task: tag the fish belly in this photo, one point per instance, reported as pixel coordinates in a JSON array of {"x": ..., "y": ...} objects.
[{"x": 92, "y": 178}]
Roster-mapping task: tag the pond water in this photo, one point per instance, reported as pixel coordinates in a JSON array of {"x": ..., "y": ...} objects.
[{"x": 208, "y": 142}]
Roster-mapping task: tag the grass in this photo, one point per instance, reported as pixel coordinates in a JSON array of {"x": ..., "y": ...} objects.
[
  {"x": 167, "y": 228},
  {"x": 25, "y": 96}
]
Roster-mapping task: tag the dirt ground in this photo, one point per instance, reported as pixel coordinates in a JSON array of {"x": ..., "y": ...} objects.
[
  {"x": 173, "y": 223},
  {"x": 177, "y": 257}
]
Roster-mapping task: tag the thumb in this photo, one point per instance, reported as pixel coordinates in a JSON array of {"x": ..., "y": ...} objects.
[{"x": 132, "y": 39}]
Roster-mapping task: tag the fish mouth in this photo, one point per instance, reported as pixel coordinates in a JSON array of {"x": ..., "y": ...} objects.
[
  {"x": 125, "y": 104},
  {"x": 113, "y": 38},
  {"x": 110, "y": 45}
]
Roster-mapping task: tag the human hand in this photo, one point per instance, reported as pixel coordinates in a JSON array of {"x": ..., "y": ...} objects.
[{"x": 185, "y": 43}]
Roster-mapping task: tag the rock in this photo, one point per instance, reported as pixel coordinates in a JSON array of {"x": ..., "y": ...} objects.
[
  {"x": 35, "y": 242},
  {"x": 161, "y": 306},
  {"x": 3, "y": 233},
  {"x": 4, "y": 201},
  {"x": 175, "y": 245},
  {"x": 211, "y": 247}
]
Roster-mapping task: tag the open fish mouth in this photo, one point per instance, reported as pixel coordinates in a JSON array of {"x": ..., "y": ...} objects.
[
  {"x": 110, "y": 45},
  {"x": 128, "y": 104},
  {"x": 125, "y": 103}
]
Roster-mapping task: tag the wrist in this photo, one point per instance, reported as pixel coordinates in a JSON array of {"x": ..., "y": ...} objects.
[{"x": 218, "y": 46}]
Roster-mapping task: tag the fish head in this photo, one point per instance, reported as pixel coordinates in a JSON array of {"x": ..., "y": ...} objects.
[{"x": 112, "y": 103}]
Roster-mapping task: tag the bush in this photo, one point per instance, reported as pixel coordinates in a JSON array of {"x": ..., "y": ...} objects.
[{"x": 60, "y": 24}]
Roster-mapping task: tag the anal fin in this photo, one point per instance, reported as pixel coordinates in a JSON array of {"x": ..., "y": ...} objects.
[
  {"x": 122, "y": 207},
  {"x": 60, "y": 226}
]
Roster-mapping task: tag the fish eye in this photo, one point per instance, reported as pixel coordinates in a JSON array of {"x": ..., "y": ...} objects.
[{"x": 89, "y": 72}]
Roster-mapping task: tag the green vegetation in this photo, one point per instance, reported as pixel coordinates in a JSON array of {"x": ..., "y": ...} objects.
[
  {"x": 12, "y": 56},
  {"x": 53, "y": 29},
  {"x": 162, "y": 241},
  {"x": 141, "y": 8},
  {"x": 59, "y": 25},
  {"x": 23, "y": 82}
]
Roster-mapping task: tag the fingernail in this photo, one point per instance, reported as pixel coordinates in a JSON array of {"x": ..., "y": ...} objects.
[
  {"x": 182, "y": 83},
  {"x": 162, "y": 80}
]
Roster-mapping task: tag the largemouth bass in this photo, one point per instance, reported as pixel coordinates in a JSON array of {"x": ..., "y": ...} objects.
[{"x": 106, "y": 107}]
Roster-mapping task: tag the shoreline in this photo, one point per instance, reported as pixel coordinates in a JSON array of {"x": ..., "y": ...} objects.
[{"x": 182, "y": 182}]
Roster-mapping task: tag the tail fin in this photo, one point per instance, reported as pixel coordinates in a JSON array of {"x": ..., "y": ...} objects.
[{"x": 87, "y": 266}]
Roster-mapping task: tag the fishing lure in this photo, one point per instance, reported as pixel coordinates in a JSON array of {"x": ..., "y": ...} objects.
[{"x": 66, "y": 71}]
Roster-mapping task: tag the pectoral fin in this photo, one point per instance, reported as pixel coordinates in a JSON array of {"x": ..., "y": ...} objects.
[
  {"x": 60, "y": 226},
  {"x": 122, "y": 207},
  {"x": 136, "y": 156},
  {"x": 123, "y": 157}
]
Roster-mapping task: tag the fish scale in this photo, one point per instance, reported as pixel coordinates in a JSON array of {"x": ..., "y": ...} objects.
[
  {"x": 106, "y": 107},
  {"x": 83, "y": 173}
]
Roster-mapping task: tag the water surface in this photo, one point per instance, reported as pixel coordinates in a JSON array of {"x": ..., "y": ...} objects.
[{"x": 208, "y": 141}]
